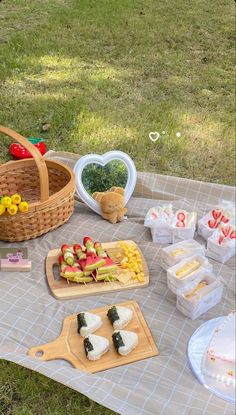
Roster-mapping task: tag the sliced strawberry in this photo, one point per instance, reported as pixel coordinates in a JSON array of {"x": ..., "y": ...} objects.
[
  {"x": 226, "y": 230},
  {"x": 220, "y": 240},
  {"x": 212, "y": 223},
  {"x": 224, "y": 219},
  {"x": 216, "y": 213},
  {"x": 181, "y": 216},
  {"x": 233, "y": 234}
]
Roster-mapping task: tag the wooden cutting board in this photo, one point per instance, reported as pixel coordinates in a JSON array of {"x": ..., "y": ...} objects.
[
  {"x": 69, "y": 345},
  {"x": 63, "y": 290}
]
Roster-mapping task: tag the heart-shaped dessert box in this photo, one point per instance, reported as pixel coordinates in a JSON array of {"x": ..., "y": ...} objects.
[{"x": 102, "y": 160}]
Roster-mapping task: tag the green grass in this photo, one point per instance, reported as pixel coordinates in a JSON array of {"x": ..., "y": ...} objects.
[
  {"x": 104, "y": 74},
  {"x": 23, "y": 392}
]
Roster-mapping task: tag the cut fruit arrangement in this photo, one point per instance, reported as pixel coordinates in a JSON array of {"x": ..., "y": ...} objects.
[
  {"x": 131, "y": 262},
  {"x": 86, "y": 263}
]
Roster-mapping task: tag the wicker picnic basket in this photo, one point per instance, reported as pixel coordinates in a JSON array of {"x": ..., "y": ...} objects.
[{"x": 48, "y": 187}]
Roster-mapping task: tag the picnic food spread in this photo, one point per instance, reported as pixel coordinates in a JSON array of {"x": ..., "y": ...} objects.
[{"x": 116, "y": 334}]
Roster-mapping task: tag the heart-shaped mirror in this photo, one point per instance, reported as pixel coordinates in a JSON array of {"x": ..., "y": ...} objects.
[{"x": 95, "y": 173}]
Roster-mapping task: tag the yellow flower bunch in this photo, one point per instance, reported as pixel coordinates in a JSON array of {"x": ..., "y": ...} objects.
[
  {"x": 13, "y": 204},
  {"x": 132, "y": 261}
]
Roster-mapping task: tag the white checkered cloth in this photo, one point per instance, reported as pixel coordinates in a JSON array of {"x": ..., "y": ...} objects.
[{"x": 163, "y": 385}]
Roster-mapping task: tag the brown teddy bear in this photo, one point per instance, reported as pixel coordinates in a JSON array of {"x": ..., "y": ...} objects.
[{"x": 112, "y": 204}]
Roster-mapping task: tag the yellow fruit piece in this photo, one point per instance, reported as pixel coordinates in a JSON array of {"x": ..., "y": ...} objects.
[
  {"x": 23, "y": 207},
  {"x": 12, "y": 210},
  {"x": 140, "y": 278},
  {"x": 2, "y": 209},
  {"x": 15, "y": 199},
  {"x": 6, "y": 201}
]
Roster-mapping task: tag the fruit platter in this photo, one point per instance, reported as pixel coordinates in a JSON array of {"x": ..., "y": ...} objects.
[
  {"x": 101, "y": 339},
  {"x": 93, "y": 267}
]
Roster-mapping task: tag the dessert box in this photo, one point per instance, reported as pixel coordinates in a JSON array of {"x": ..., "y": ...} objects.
[
  {"x": 189, "y": 270},
  {"x": 216, "y": 218},
  {"x": 173, "y": 254},
  {"x": 194, "y": 300},
  {"x": 220, "y": 251},
  {"x": 168, "y": 226}
]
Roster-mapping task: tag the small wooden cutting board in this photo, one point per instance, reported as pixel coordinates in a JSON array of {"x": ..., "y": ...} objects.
[
  {"x": 69, "y": 345},
  {"x": 63, "y": 290}
]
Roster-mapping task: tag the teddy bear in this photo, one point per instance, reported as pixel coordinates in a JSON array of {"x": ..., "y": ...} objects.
[{"x": 112, "y": 204}]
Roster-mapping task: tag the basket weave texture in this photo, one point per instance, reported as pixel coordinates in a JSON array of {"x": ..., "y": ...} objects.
[{"x": 48, "y": 187}]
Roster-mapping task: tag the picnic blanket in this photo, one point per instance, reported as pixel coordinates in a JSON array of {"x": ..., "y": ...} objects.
[{"x": 30, "y": 315}]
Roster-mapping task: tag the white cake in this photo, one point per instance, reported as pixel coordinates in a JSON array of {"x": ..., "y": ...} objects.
[{"x": 219, "y": 359}]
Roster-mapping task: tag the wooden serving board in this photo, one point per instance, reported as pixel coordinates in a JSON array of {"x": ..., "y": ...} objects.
[
  {"x": 63, "y": 290},
  {"x": 69, "y": 345}
]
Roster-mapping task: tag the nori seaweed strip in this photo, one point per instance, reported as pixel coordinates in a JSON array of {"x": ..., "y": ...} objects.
[
  {"x": 117, "y": 340},
  {"x": 88, "y": 347},
  {"x": 112, "y": 314},
  {"x": 81, "y": 321}
]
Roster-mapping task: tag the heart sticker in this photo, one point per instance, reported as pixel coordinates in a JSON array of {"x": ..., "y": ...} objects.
[
  {"x": 154, "y": 136},
  {"x": 102, "y": 160}
]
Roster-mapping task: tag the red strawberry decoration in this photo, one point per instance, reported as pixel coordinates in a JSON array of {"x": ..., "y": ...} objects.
[
  {"x": 19, "y": 152},
  {"x": 181, "y": 217},
  {"x": 224, "y": 219},
  {"x": 212, "y": 223},
  {"x": 220, "y": 240},
  {"x": 233, "y": 234},
  {"x": 78, "y": 250},
  {"x": 226, "y": 231},
  {"x": 216, "y": 214}
]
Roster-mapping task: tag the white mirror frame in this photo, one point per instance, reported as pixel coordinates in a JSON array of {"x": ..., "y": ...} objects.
[{"x": 102, "y": 160}]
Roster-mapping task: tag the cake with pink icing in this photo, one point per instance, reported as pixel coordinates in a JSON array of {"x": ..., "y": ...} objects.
[{"x": 219, "y": 358}]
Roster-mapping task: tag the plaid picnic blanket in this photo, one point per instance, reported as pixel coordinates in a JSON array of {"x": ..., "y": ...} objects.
[{"x": 163, "y": 385}]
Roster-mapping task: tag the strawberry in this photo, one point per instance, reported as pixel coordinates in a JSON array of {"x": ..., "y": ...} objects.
[
  {"x": 212, "y": 223},
  {"x": 233, "y": 234},
  {"x": 216, "y": 213},
  {"x": 68, "y": 254},
  {"x": 224, "y": 219},
  {"x": 181, "y": 216},
  {"x": 226, "y": 231},
  {"x": 78, "y": 250},
  {"x": 220, "y": 240},
  {"x": 99, "y": 250},
  {"x": 88, "y": 243}
]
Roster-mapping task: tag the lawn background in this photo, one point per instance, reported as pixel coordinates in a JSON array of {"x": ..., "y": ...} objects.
[{"x": 104, "y": 74}]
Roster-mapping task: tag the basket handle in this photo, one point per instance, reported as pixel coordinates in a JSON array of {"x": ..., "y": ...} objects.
[{"x": 39, "y": 160}]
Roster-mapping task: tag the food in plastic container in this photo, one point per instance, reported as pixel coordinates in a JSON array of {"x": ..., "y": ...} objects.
[
  {"x": 173, "y": 254},
  {"x": 198, "y": 297},
  {"x": 168, "y": 226},
  {"x": 221, "y": 245},
  {"x": 187, "y": 271}
]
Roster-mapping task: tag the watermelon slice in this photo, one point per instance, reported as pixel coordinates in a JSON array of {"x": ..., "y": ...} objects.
[
  {"x": 109, "y": 266},
  {"x": 94, "y": 262}
]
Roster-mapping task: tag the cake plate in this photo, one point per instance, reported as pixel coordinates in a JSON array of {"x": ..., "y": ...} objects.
[{"x": 195, "y": 351}]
